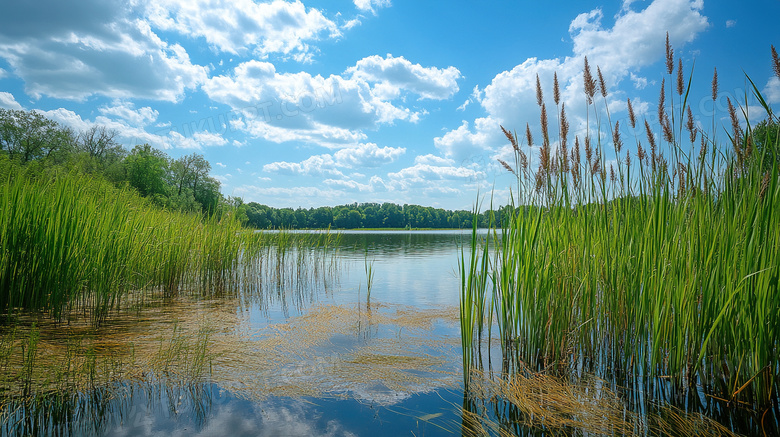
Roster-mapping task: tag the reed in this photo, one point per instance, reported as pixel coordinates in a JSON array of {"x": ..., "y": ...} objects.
[
  {"x": 661, "y": 275},
  {"x": 69, "y": 242}
]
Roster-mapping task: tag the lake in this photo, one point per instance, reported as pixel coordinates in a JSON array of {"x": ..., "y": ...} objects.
[
  {"x": 306, "y": 351},
  {"x": 356, "y": 337}
]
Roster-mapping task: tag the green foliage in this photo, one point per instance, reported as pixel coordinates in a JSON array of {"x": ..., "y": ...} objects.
[
  {"x": 27, "y": 136},
  {"x": 363, "y": 215}
]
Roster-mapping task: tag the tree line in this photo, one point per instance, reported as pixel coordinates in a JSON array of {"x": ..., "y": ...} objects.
[{"x": 367, "y": 216}]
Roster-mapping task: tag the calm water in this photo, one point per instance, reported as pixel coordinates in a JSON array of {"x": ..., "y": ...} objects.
[
  {"x": 310, "y": 355},
  {"x": 306, "y": 352}
]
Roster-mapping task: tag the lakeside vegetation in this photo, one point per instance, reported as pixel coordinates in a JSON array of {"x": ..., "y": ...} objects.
[
  {"x": 658, "y": 273},
  {"x": 363, "y": 216}
]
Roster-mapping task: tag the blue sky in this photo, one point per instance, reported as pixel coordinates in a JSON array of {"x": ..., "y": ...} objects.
[{"x": 310, "y": 103}]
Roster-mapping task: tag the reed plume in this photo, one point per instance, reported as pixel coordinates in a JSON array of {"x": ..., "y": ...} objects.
[
  {"x": 736, "y": 131},
  {"x": 511, "y": 139},
  {"x": 590, "y": 84},
  {"x": 616, "y": 141},
  {"x": 669, "y": 56},
  {"x": 602, "y": 83},
  {"x": 715, "y": 85},
  {"x": 631, "y": 117},
  {"x": 556, "y": 89},
  {"x": 680, "y": 78},
  {"x": 775, "y": 62},
  {"x": 539, "y": 96},
  {"x": 691, "y": 126}
]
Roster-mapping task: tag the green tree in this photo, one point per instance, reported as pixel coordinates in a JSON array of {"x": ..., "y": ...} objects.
[
  {"x": 147, "y": 170},
  {"x": 27, "y": 136}
]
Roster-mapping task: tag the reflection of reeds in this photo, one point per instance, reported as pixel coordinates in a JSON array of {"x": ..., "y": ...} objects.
[
  {"x": 182, "y": 343},
  {"x": 666, "y": 270},
  {"x": 527, "y": 402}
]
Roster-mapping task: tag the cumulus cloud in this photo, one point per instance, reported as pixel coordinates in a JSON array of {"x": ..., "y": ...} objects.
[
  {"x": 127, "y": 111},
  {"x": 7, "y": 101},
  {"x": 362, "y": 155},
  {"x": 241, "y": 26},
  {"x": 371, "y": 5},
  {"x": 391, "y": 76},
  {"x": 368, "y": 155},
  {"x": 332, "y": 111},
  {"x": 635, "y": 40},
  {"x": 95, "y": 47}
]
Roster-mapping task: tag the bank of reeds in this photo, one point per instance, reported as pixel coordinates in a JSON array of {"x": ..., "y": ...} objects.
[
  {"x": 658, "y": 270},
  {"x": 71, "y": 242}
]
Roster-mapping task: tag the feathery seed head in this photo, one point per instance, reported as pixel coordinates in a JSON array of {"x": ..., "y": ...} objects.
[
  {"x": 545, "y": 132},
  {"x": 715, "y": 85},
  {"x": 511, "y": 138},
  {"x": 602, "y": 84},
  {"x": 556, "y": 89},
  {"x": 775, "y": 62},
  {"x": 528, "y": 135},
  {"x": 680, "y": 78},
  {"x": 662, "y": 101},
  {"x": 539, "y": 96},
  {"x": 631, "y": 117},
  {"x": 616, "y": 141},
  {"x": 691, "y": 126},
  {"x": 666, "y": 126},
  {"x": 564, "y": 124},
  {"x": 669, "y": 56},
  {"x": 650, "y": 136},
  {"x": 507, "y": 166},
  {"x": 590, "y": 84},
  {"x": 736, "y": 130}
]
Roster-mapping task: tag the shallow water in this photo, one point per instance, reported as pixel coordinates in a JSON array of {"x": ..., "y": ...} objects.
[
  {"x": 303, "y": 354},
  {"x": 305, "y": 351}
]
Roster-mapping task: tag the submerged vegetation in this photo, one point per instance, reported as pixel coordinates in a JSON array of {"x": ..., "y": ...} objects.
[{"x": 658, "y": 272}]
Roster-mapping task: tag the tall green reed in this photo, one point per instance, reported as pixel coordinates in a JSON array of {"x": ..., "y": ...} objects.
[
  {"x": 664, "y": 266},
  {"x": 69, "y": 242}
]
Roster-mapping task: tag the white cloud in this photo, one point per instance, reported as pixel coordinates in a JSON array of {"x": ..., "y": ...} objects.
[
  {"x": 349, "y": 184},
  {"x": 129, "y": 135},
  {"x": 771, "y": 92},
  {"x": 731, "y": 23},
  {"x": 362, "y": 155},
  {"x": 93, "y": 48},
  {"x": 391, "y": 76},
  {"x": 367, "y": 155},
  {"x": 126, "y": 110},
  {"x": 333, "y": 111},
  {"x": 7, "y": 101},
  {"x": 316, "y": 165},
  {"x": 205, "y": 138},
  {"x": 238, "y": 26},
  {"x": 635, "y": 40},
  {"x": 463, "y": 143},
  {"x": 371, "y": 5},
  {"x": 433, "y": 160},
  {"x": 220, "y": 165},
  {"x": 430, "y": 176}
]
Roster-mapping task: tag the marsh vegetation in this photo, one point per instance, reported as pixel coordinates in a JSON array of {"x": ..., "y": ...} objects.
[{"x": 656, "y": 270}]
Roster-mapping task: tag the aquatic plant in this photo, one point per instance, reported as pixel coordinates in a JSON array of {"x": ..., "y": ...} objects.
[
  {"x": 659, "y": 272},
  {"x": 70, "y": 242}
]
